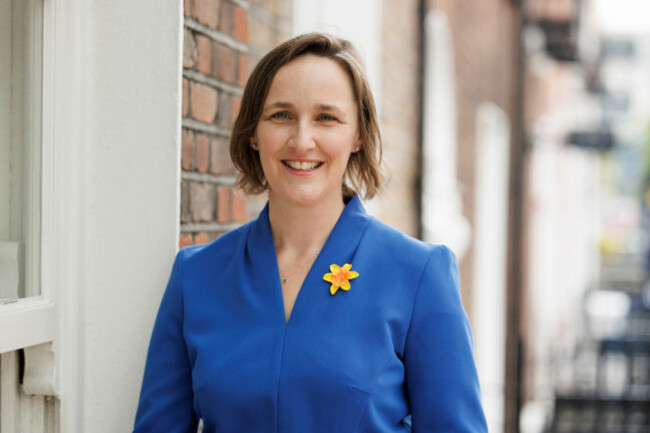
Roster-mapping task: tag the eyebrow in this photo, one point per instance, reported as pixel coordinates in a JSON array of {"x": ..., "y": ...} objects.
[
  {"x": 328, "y": 107},
  {"x": 279, "y": 104},
  {"x": 325, "y": 107}
]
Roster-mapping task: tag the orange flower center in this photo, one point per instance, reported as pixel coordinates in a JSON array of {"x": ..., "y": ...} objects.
[{"x": 341, "y": 277}]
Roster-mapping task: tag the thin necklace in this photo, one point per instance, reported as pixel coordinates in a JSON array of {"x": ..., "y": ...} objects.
[{"x": 285, "y": 278}]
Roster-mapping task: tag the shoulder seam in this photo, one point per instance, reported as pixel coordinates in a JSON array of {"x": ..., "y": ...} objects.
[{"x": 415, "y": 297}]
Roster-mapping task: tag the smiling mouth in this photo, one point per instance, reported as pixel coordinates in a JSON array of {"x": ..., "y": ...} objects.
[{"x": 302, "y": 165}]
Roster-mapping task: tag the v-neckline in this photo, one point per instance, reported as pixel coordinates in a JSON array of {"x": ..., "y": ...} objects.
[
  {"x": 287, "y": 284},
  {"x": 300, "y": 290},
  {"x": 339, "y": 248}
]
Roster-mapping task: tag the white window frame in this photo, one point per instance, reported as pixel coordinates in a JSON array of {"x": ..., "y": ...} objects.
[
  {"x": 30, "y": 323},
  {"x": 31, "y": 320},
  {"x": 47, "y": 326}
]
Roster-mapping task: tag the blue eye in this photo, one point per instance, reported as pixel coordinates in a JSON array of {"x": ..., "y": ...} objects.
[
  {"x": 326, "y": 117},
  {"x": 280, "y": 115}
]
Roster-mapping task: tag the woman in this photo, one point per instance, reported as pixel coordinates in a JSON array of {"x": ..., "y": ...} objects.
[{"x": 315, "y": 317}]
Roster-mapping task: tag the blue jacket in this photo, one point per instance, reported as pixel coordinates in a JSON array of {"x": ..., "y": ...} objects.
[{"x": 393, "y": 353}]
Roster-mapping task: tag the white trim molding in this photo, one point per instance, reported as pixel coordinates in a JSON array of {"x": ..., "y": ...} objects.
[{"x": 31, "y": 321}]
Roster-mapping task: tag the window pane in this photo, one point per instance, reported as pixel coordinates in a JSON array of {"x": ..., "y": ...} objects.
[{"x": 21, "y": 30}]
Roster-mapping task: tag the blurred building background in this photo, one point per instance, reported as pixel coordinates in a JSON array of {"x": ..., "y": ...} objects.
[{"x": 515, "y": 131}]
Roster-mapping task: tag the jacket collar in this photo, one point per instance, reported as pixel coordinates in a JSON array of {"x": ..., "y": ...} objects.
[{"x": 340, "y": 247}]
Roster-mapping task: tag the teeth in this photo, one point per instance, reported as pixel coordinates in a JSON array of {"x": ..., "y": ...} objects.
[{"x": 302, "y": 165}]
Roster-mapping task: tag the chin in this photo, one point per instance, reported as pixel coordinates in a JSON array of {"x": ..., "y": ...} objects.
[
  {"x": 305, "y": 200},
  {"x": 301, "y": 198}
]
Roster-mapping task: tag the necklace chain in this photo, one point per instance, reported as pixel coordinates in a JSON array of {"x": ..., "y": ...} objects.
[{"x": 287, "y": 276}]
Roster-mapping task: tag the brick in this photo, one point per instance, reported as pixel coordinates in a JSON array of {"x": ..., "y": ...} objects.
[
  {"x": 202, "y": 202},
  {"x": 186, "y": 98},
  {"x": 186, "y": 8},
  {"x": 224, "y": 119},
  {"x": 235, "y": 105},
  {"x": 204, "y": 47},
  {"x": 185, "y": 202},
  {"x": 223, "y": 204},
  {"x": 187, "y": 150},
  {"x": 207, "y": 12},
  {"x": 283, "y": 8},
  {"x": 240, "y": 30},
  {"x": 224, "y": 65},
  {"x": 242, "y": 70},
  {"x": 185, "y": 240},
  {"x": 227, "y": 18},
  {"x": 201, "y": 238},
  {"x": 220, "y": 162},
  {"x": 260, "y": 33},
  {"x": 239, "y": 206},
  {"x": 202, "y": 153},
  {"x": 230, "y": 108},
  {"x": 203, "y": 102},
  {"x": 190, "y": 53}
]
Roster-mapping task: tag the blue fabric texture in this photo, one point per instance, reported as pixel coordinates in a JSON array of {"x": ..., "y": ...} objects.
[{"x": 392, "y": 354}]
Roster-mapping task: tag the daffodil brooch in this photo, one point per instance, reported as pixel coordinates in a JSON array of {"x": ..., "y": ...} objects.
[{"x": 340, "y": 277}]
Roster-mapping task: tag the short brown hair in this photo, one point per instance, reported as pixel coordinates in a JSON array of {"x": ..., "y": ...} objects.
[{"x": 363, "y": 174}]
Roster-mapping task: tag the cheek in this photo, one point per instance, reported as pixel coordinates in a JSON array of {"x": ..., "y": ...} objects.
[
  {"x": 271, "y": 139},
  {"x": 342, "y": 145}
]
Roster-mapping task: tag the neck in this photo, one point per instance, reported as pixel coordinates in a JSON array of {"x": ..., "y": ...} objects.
[{"x": 302, "y": 230}]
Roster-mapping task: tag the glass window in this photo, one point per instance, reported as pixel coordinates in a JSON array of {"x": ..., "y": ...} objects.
[{"x": 21, "y": 54}]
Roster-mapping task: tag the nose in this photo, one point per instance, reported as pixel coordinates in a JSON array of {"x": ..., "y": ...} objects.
[{"x": 302, "y": 137}]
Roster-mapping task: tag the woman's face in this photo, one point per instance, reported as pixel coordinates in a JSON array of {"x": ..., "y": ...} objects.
[{"x": 307, "y": 131}]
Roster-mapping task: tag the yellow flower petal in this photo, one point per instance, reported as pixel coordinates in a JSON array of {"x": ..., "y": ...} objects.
[{"x": 340, "y": 277}]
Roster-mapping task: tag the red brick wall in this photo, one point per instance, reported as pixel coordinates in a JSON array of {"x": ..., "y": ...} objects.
[
  {"x": 485, "y": 47},
  {"x": 222, "y": 42},
  {"x": 400, "y": 114}
]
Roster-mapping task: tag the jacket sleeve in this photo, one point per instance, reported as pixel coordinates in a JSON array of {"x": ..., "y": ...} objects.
[
  {"x": 166, "y": 398},
  {"x": 441, "y": 377}
]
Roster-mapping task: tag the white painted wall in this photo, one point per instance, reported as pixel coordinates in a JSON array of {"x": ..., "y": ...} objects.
[{"x": 114, "y": 221}]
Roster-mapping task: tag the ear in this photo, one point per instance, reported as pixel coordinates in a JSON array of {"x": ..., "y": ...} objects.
[
  {"x": 357, "y": 145},
  {"x": 253, "y": 143}
]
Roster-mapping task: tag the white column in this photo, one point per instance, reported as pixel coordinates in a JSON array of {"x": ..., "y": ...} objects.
[
  {"x": 490, "y": 257},
  {"x": 442, "y": 219}
]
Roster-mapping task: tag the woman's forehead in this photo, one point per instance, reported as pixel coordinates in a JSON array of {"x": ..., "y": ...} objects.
[{"x": 319, "y": 80}]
